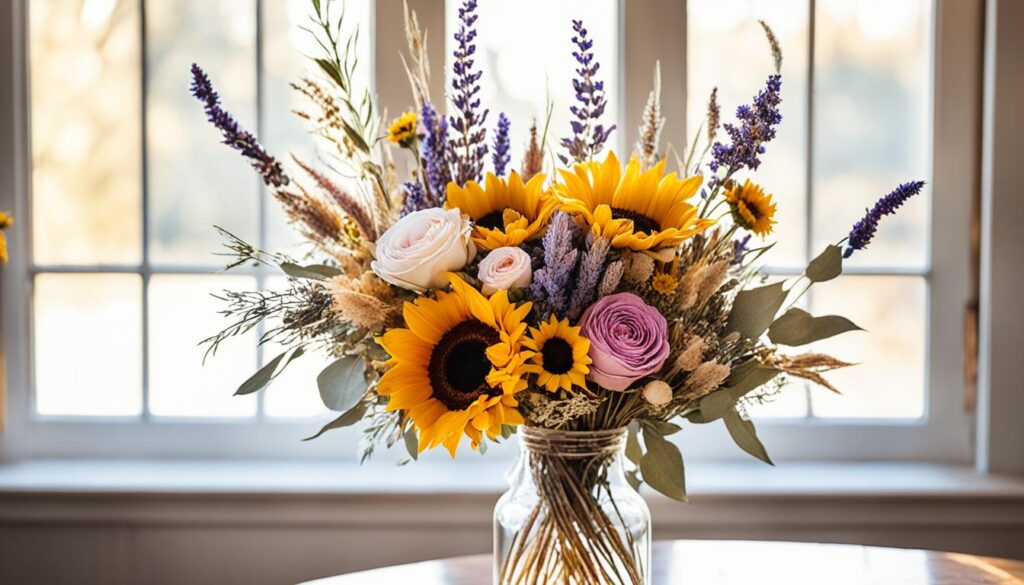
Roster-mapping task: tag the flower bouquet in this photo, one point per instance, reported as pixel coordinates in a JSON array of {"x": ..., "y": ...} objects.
[{"x": 586, "y": 302}]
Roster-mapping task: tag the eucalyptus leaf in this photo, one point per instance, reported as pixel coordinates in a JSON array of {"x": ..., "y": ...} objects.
[
  {"x": 754, "y": 310},
  {"x": 342, "y": 383},
  {"x": 265, "y": 375},
  {"x": 633, "y": 480},
  {"x": 311, "y": 272},
  {"x": 346, "y": 420},
  {"x": 662, "y": 466},
  {"x": 661, "y": 427},
  {"x": 633, "y": 450},
  {"x": 743, "y": 433},
  {"x": 798, "y": 327},
  {"x": 412, "y": 442},
  {"x": 828, "y": 265},
  {"x": 745, "y": 378}
]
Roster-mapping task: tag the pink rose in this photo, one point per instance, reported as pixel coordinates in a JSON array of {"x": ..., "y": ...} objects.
[
  {"x": 628, "y": 340},
  {"x": 505, "y": 268}
]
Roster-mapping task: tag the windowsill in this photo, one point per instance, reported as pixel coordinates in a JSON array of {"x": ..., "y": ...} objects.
[{"x": 704, "y": 479}]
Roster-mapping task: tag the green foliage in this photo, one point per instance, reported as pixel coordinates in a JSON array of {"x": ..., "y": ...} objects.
[
  {"x": 743, "y": 433},
  {"x": 348, "y": 419},
  {"x": 798, "y": 327},
  {"x": 754, "y": 310},
  {"x": 262, "y": 378},
  {"x": 412, "y": 442},
  {"x": 662, "y": 466},
  {"x": 343, "y": 383},
  {"x": 746, "y": 377},
  {"x": 311, "y": 272},
  {"x": 828, "y": 265}
]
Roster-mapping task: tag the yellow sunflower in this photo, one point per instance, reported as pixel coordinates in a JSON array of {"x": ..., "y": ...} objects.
[
  {"x": 752, "y": 208},
  {"x": 504, "y": 213},
  {"x": 559, "y": 355},
  {"x": 457, "y": 366},
  {"x": 403, "y": 129},
  {"x": 636, "y": 209}
]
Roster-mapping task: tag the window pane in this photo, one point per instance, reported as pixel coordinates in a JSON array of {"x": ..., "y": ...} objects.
[
  {"x": 889, "y": 378},
  {"x": 294, "y": 392},
  {"x": 871, "y": 130},
  {"x": 88, "y": 344},
  {"x": 181, "y": 313},
  {"x": 527, "y": 60},
  {"x": 285, "y": 45},
  {"x": 726, "y": 48},
  {"x": 195, "y": 182},
  {"x": 86, "y": 96}
]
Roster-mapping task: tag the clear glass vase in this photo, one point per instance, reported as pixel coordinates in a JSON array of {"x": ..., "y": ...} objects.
[{"x": 569, "y": 516}]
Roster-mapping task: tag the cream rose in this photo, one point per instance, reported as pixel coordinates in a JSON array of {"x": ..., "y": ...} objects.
[
  {"x": 417, "y": 251},
  {"x": 505, "y": 268}
]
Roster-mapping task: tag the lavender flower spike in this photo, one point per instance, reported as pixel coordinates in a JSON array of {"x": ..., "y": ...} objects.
[
  {"x": 864, "y": 230},
  {"x": 234, "y": 135},
  {"x": 552, "y": 284},
  {"x": 588, "y": 134},
  {"x": 468, "y": 148},
  {"x": 588, "y": 275},
  {"x": 502, "y": 143},
  {"x": 415, "y": 197},
  {"x": 756, "y": 128},
  {"x": 435, "y": 156}
]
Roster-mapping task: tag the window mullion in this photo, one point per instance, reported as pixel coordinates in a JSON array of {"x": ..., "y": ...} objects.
[
  {"x": 261, "y": 193},
  {"x": 145, "y": 269},
  {"x": 809, "y": 172}
]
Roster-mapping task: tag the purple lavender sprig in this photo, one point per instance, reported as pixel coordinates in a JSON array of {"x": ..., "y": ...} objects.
[
  {"x": 234, "y": 135},
  {"x": 740, "y": 247},
  {"x": 591, "y": 268},
  {"x": 551, "y": 285},
  {"x": 756, "y": 128},
  {"x": 435, "y": 154},
  {"x": 468, "y": 149},
  {"x": 501, "y": 156},
  {"x": 864, "y": 230},
  {"x": 415, "y": 197},
  {"x": 588, "y": 134}
]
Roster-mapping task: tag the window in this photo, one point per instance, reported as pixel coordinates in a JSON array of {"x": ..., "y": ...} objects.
[
  {"x": 856, "y": 122},
  {"x": 126, "y": 181}
]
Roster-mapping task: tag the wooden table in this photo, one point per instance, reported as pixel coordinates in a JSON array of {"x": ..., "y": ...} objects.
[{"x": 696, "y": 562}]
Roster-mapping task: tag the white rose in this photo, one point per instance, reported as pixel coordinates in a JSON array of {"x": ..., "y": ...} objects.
[
  {"x": 417, "y": 251},
  {"x": 505, "y": 268},
  {"x": 657, "y": 393}
]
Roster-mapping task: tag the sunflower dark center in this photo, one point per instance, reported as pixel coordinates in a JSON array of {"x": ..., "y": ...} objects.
[
  {"x": 641, "y": 223},
  {"x": 458, "y": 365},
  {"x": 557, "y": 355},
  {"x": 494, "y": 220}
]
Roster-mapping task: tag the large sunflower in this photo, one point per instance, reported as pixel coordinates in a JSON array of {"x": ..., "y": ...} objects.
[
  {"x": 559, "y": 355},
  {"x": 636, "y": 209},
  {"x": 457, "y": 367},
  {"x": 504, "y": 213}
]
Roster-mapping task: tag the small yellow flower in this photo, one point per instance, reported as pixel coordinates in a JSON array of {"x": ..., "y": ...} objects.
[
  {"x": 664, "y": 284},
  {"x": 403, "y": 129},
  {"x": 752, "y": 208}
]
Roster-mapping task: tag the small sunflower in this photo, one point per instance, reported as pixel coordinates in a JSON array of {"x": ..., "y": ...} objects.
[
  {"x": 636, "y": 209},
  {"x": 457, "y": 366},
  {"x": 752, "y": 208},
  {"x": 403, "y": 129},
  {"x": 559, "y": 355},
  {"x": 504, "y": 212}
]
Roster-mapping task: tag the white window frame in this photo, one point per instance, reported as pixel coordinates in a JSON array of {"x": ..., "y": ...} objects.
[{"x": 942, "y": 435}]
